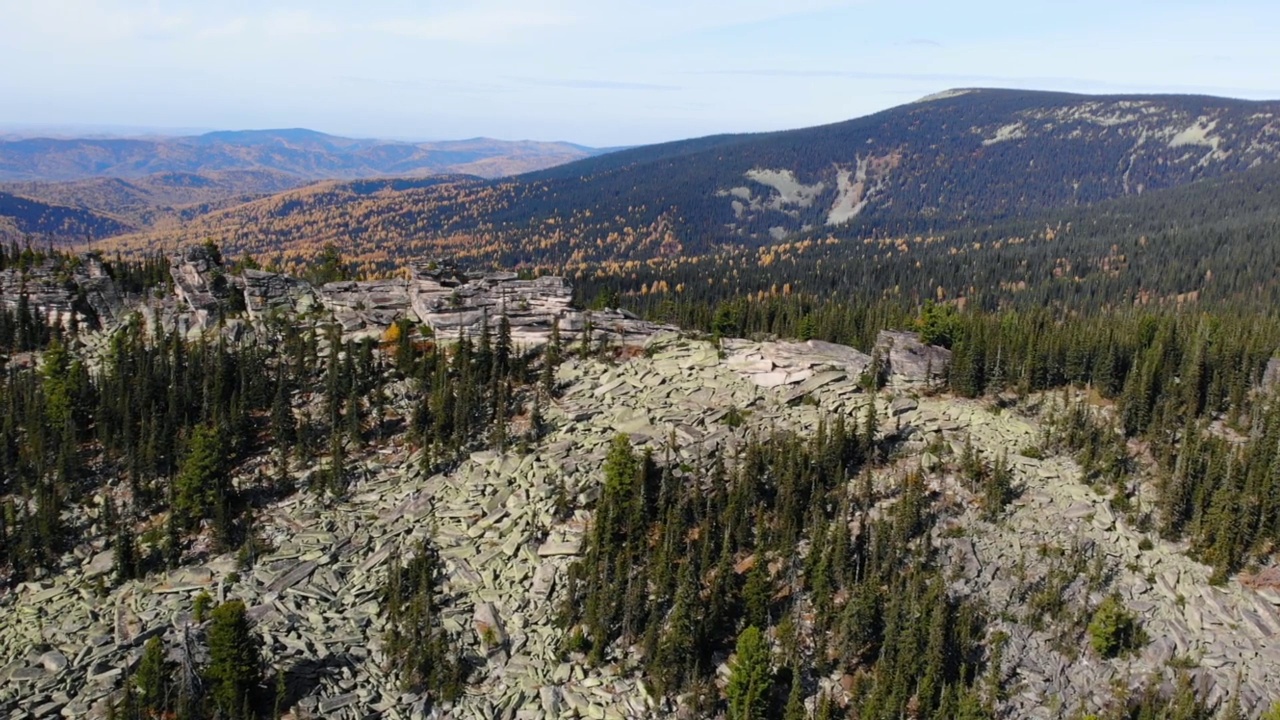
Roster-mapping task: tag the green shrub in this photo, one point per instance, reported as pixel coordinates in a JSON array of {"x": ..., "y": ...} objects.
[
  {"x": 235, "y": 664},
  {"x": 201, "y": 606},
  {"x": 749, "y": 683},
  {"x": 1114, "y": 629}
]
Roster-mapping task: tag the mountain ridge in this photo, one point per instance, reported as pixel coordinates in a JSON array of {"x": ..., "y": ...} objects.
[
  {"x": 959, "y": 160},
  {"x": 307, "y": 154}
]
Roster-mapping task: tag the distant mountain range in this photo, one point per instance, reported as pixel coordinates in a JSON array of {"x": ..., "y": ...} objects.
[
  {"x": 964, "y": 158},
  {"x": 304, "y": 154}
]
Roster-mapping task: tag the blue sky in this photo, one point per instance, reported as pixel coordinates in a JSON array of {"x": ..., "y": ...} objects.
[{"x": 597, "y": 72}]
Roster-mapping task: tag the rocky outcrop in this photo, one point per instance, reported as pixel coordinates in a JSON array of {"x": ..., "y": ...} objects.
[
  {"x": 909, "y": 361},
  {"x": 200, "y": 281},
  {"x": 453, "y": 303},
  {"x": 268, "y": 292},
  {"x": 1271, "y": 376},
  {"x": 99, "y": 290},
  {"x": 802, "y": 365},
  {"x": 38, "y": 292},
  {"x": 448, "y": 301},
  {"x": 370, "y": 305},
  {"x": 58, "y": 291}
]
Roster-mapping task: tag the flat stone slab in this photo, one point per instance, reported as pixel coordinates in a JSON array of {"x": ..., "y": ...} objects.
[
  {"x": 292, "y": 577},
  {"x": 553, "y": 548},
  {"x": 328, "y": 705}
]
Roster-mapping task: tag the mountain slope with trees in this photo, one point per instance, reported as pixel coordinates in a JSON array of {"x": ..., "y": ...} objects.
[{"x": 969, "y": 159}]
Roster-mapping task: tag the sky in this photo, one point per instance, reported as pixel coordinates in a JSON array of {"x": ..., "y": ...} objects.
[{"x": 596, "y": 72}]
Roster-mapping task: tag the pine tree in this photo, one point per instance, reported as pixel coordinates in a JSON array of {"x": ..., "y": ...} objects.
[
  {"x": 202, "y": 485},
  {"x": 757, "y": 593},
  {"x": 997, "y": 488},
  {"x": 125, "y": 553}
]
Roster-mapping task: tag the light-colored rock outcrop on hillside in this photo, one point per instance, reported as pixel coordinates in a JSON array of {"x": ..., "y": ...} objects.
[
  {"x": 85, "y": 291},
  {"x": 314, "y": 597}
]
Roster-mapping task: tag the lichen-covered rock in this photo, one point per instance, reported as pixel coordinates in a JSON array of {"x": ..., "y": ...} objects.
[
  {"x": 373, "y": 304},
  {"x": 453, "y": 303}
]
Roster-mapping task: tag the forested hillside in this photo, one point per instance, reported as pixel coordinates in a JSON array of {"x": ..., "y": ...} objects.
[
  {"x": 1212, "y": 243},
  {"x": 962, "y": 160},
  {"x": 1208, "y": 242},
  {"x": 23, "y": 219},
  {"x": 152, "y": 200}
]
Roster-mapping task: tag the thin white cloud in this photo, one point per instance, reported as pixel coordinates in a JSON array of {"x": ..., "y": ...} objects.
[
  {"x": 86, "y": 21},
  {"x": 298, "y": 22}
]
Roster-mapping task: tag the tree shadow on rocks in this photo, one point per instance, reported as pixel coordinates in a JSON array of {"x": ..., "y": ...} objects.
[{"x": 303, "y": 678}]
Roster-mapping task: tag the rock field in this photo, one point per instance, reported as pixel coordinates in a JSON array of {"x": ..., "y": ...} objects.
[{"x": 313, "y": 597}]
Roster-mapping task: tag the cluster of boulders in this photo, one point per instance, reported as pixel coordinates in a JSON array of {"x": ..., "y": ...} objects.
[
  {"x": 1226, "y": 638},
  {"x": 897, "y": 357}
]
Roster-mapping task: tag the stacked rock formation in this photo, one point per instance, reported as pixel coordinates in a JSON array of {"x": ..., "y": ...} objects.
[
  {"x": 450, "y": 302},
  {"x": 84, "y": 290}
]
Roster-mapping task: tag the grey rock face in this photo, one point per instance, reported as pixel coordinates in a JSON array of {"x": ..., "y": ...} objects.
[
  {"x": 369, "y": 306},
  {"x": 450, "y": 302},
  {"x": 265, "y": 292},
  {"x": 454, "y": 304},
  {"x": 1271, "y": 376},
  {"x": 806, "y": 365},
  {"x": 199, "y": 280},
  {"x": 910, "y": 361},
  {"x": 99, "y": 289},
  {"x": 85, "y": 291}
]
